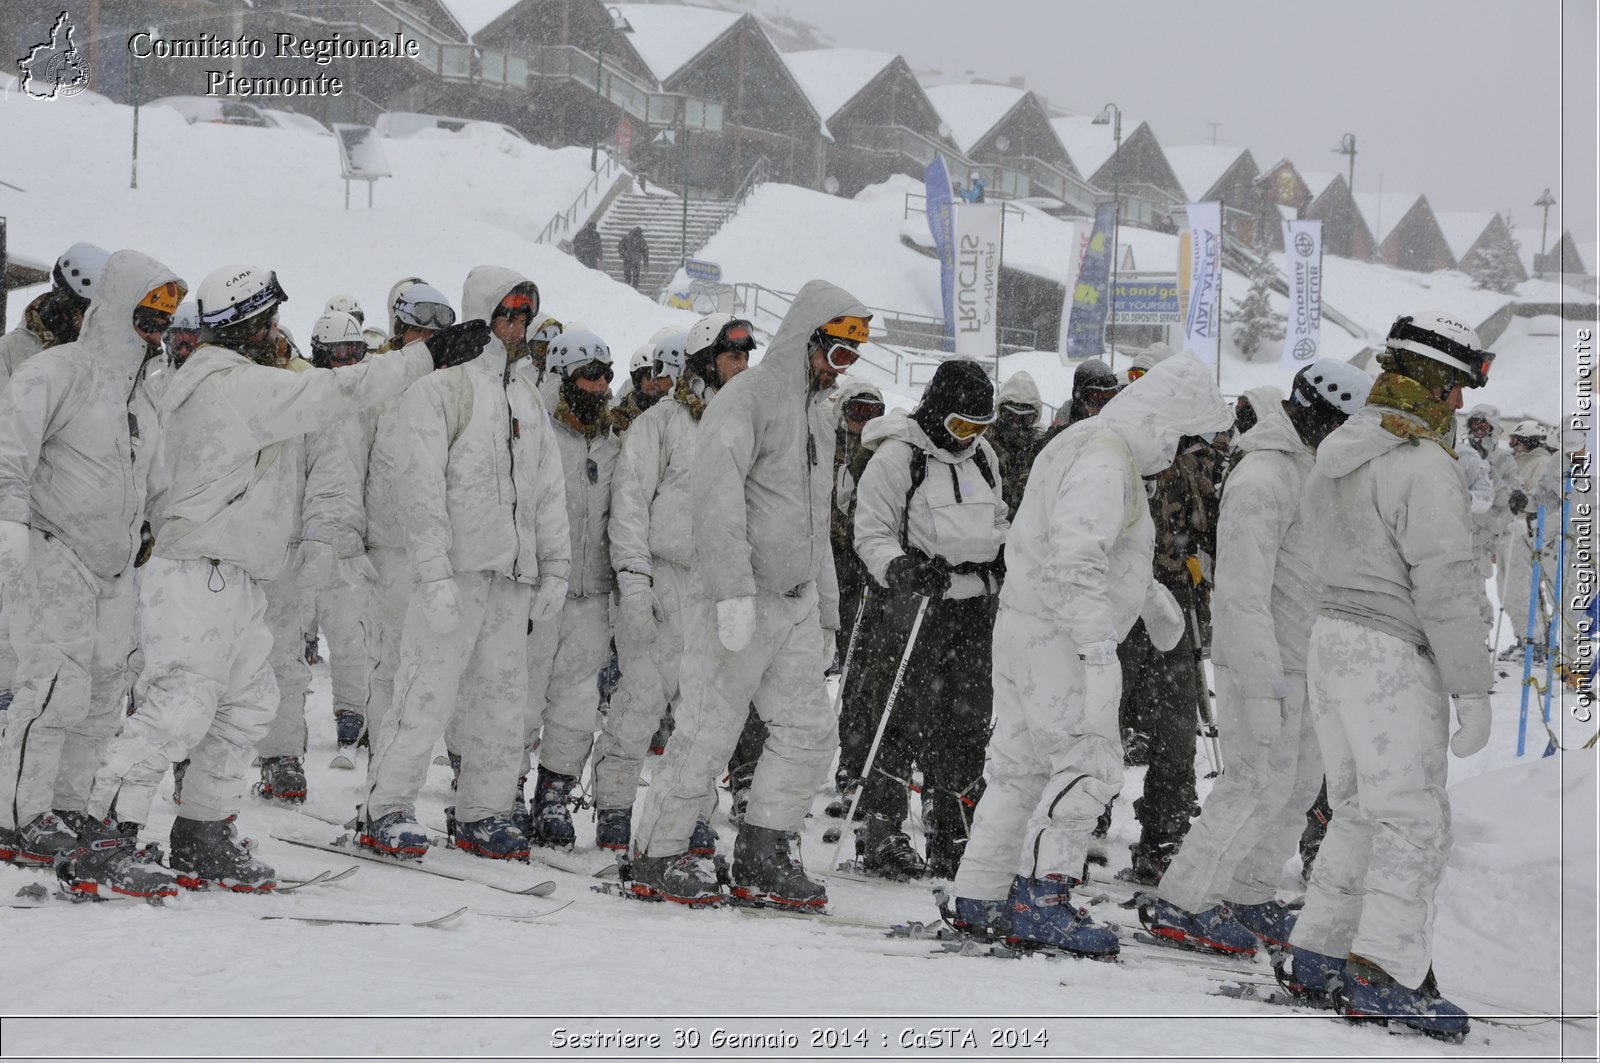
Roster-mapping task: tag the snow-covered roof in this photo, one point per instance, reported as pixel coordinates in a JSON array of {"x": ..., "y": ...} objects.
[
  {"x": 972, "y": 111},
  {"x": 473, "y": 15},
  {"x": 669, "y": 36},
  {"x": 1385, "y": 210},
  {"x": 1462, "y": 228},
  {"x": 1317, "y": 181},
  {"x": 1199, "y": 166},
  {"x": 832, "y": 77},
  {"x": 1089, "y": 145}
]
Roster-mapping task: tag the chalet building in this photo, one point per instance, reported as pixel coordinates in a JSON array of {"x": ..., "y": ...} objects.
[
  {"x": 1006, "y": 132},
  {"x": 1475, "y": 239},
  {"x": 1344, "y": 230},
  {"x": 1561, "y": 255},
  {"x": 1408, "y": 234},
  {"x": 1217, "y": 173},
  {"x": 1139, "y": 171}
]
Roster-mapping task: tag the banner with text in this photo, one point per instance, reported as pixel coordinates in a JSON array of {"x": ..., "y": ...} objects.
[
  {"x": 1086, "y": 334},
  {"x": 1302, "y": 254},
  {"x": 940, "y": 209},
  {"x": 977, "y": 279},
  {"x": 1202, "y": 287}
]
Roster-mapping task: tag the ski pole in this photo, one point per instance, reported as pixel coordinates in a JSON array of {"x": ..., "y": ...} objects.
[
  {"x": 883, "y": 722},
  {"x": 1208, "y": 726},
  {"x": 1527, "y": 644},
  {"x": 1552, "y": 640},
  {"x": 850, "y": 649}
]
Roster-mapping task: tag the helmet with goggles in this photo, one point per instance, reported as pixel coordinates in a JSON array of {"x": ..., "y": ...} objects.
[
  {"x": 715, "y": 334},
  {"x": 238, "y": 299},
  {"x": 421, "y": 305},
  {"x": 1441, "y": 339},
  {"x": 579, "y": 353},
  {"x": 337, "y": 340},
  {"x": 669, "y": 354},
  {"x": 840, "y": 339}
]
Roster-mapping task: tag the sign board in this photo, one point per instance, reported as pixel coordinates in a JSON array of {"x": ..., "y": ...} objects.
[
  {"x": 977, "y": 277},
  {"x": 701, "y": 270},
  {"x": 1148, "y": 299},
  {"x": 361, "y": 155},
  {"x": 1302, "y": 255}
]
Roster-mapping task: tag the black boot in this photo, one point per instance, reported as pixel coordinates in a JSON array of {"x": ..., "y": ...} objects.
[
  {"x": 766, "y": 873},
  {"x": 282, "y": 779},
  {"x": 886, "y": 852},
  {"x": 552, "y": 810},
  {"x": 211, "y": 851}
]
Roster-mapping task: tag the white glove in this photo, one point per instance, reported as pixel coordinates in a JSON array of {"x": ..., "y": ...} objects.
[
  {"x": 14, "y": 549},
  {"x": 441, "y": 605},
  {"x": 358, "y": 571},
  {"x": 1473, "y": 715},
  {"x": 641, "y": 610},
  {"x": 549, "y": 595},
  {"x": 313, "y": 564},
  {"x": 736, "y": 621},
  {"x": 1102, "y": 698},
  {"x": 1164, "y": 622}
]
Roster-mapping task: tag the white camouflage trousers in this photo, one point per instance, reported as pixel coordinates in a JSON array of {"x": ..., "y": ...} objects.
[
  {"x": 1050, "y": 769},
  {"x": 206, "y": 692},
  {"x": 649, "y": 683},
  {"x": 480, "y": 668},
  {"x": 780, "y": 672},
  {"x": 565, "y": 656},
  {"x": 339, "y": 610},
  {"x": 386, "y": 610},
  {"x": 73, "y": 632},
  {"x": 1254, "y": 815},
  {"x": 286, "y": 601},
  {"x": 1383, "y": 721}
]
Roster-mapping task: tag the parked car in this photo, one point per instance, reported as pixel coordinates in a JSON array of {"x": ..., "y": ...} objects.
[
  {"x": 396, "y": 124},
  {"x": 294, "y": 120},
  {"x": 222, "y": 112}
]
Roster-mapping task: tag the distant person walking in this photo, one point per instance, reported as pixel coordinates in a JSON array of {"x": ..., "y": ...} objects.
[
  {"x": 635, "y": 252},
  {"x": 586, "y": 246}
]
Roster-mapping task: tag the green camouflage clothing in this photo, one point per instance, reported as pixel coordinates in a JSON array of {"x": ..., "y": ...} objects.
[
  {"x": 849, "y": 460},
  {"x": 1016, "y": 449},
  {"x": 627, "y": 411}
]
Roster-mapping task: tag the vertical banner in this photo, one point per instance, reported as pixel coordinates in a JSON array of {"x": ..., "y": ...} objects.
[
  {"x": 940, "y": 210},
  {"x": 978, "y": 279},
  {"x": 1086, "y": 331},
  {"x": 1202, "y": 312},
  {"x": 1302, "y": 255},
  {"x": 1077, "y": 246}
]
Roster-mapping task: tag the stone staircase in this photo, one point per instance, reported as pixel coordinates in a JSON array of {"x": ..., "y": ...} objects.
[{"x": 661, "y": 217}]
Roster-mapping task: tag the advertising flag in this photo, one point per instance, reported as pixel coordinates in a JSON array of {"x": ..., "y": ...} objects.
[
  {"x": 1077, "y": 246},
  {"x": 977, "y": 293},
  {"x": 1302, "y": 254},
  {"x": 1086, "y": 332},
  {"x": 1202, "y": 312},
  {"x": 940, "y": 208}
]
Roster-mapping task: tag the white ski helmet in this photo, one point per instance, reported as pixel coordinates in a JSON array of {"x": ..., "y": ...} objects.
[
  {"x": 348, "y": 304},
  {"x": 1531, "y": 431},
  {"x": 670, "y": 354},
  {"x": 421, "y": 305},
  {"x": 375, "y": 337},
  {"x": 1443, "y": 339},
  {"x": 712, "y": 335},
  {"x": 77, "y": 269},
  {"x": 1328, "y": 380},
  {"x": 337, "y": 340},
  {"x": 394, "y": 295},
  {"x": 231, "y": 294},
  {"x": 574, "y": 348},
  {"x": 642, "y": 358}
]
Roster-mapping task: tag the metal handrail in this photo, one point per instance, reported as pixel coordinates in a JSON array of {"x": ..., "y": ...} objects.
[
  {"x": 913, "y": 144},
  {"x": 563, "y": 220}
]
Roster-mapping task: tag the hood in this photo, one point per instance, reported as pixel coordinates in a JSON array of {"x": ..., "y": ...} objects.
[
  {"x": 1019, "y": 388},
  {"x": 108, "y": 325},
  {"x": 853, "y": 389},
  {"x": 484, "y": 288},
  {"x": 1177, "y": 398},
  {"x": 1357, "y": 441},
  {"x": 1273, "y": 430},
  {"x": 816, "y": 304},
  {"x": 899, "y": 425}
]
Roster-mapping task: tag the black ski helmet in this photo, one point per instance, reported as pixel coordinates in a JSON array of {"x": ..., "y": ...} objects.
[{"x": 1091, "y": 375}]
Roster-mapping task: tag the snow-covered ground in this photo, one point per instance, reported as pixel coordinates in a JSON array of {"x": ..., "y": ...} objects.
[{"x": 1516, "y": 927}]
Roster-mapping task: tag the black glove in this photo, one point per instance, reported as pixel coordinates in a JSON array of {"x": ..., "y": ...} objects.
[
  {"x": 147, "y": 543},
  {"x": 1518, "y": 501},
  {"x": 997, "y": 568},
  {"x": 918, "y": 573},
  {"x": 458, "y": 343}
]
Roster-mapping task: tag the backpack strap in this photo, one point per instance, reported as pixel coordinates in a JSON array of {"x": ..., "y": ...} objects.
[{"x": 919, "y": 472}]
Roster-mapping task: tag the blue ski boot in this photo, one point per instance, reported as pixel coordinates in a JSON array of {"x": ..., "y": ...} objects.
[
  {"x": 613, "y": 828},
  {"x": 1309, "y": 976},
  {"x": 1369, "y": 994},
  {"x": 1212, "y": 930},
  {"x": 979, "y": 919},
  {"x": 493, "y": 837},
  {"x": 1042, "y": 913},
  {"x": 552, "y": 810},
  {"x": 1271, "y": 922},
  {"x": 703, "y": 842},
  {"x": 394, "y": 834}
]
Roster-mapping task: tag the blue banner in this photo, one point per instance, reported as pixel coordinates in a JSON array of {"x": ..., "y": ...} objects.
[
  {"x": 941, "y": 224},
  {"x": 1086, "y": 331}
]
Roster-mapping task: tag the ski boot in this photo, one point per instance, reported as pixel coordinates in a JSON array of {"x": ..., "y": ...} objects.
[
  {"x": 282, "y": 779},
  {"x": 613, "y": 828},
  {"x": 394, "y": 834},
  {"x": 211, "y": 851},
  {"x": 455, "y": 769},
  {"x": 519, "y": 809},
  {"x": 1149, "y": 863},
  {"x": 1271, "y": 922},
  {"x": 945, "y": 823},
  {"x": 1309, "y": 976},
  {"x": 8, "y": 845},
  {"x": 350, "y": 727},
  {"x": 740, "y": 803},
  {"x": 1135, "y": 748},
  {"x": 1369, "y": 994},
  {"x": 43, "y": 838},
  {"x": 886, "y": 852},
  {"x": 178, "y": 771},
  {"x": 493, "y": 837},
  {"x": 552, "y": 810},
  {"x": 703, "y": 842},
  {"x": 111, "y": 860},
  {"x": 1042, "y": 913},
  {"x": 1211, "y": 930},
  {"x": 765, "y": 874},
  {"x": 683, "y": 879},
  {"x": 981, "y": 920}
]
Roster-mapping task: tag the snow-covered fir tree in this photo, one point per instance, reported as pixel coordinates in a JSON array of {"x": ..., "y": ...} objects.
[
  {"x": 1253, "y": 318},
  {"x": 1496, "y": 267}
]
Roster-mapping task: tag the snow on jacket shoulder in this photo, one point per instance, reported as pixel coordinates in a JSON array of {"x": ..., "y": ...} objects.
[
  {"x": 955, "y": 513},
  {"x": 227, "y": 422},
  {"x": 16, "y": 347},
  {"x": 1393, "y": 548},
  {"x": 479, "y": 473},
  {"x": 1266, "y": 593},
  {"x": 651, "y": 515},
  {"x": 67, "y": 458},
  {"x": 764, "y": 469},
  {"x": 1081, "y": 546},
  {"x": 588, "y": 506}
]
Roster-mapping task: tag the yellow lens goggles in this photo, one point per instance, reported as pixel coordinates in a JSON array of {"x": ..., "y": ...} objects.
[{"x": 964, "y": 429}]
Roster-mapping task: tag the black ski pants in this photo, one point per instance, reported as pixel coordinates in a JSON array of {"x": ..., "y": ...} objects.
[{"x": 1160, "y": 698}]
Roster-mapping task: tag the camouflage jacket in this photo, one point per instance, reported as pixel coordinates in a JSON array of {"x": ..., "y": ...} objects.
[
  {"x": 1016, "y": 451},
  {"x": 626, "y": 412},
  {"x": 1183, "y": 505}
]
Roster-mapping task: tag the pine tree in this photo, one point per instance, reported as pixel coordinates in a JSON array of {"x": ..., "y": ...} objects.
[
  {"x": 1497, "y": 266},
  {"x": 1253, "y": 317}
]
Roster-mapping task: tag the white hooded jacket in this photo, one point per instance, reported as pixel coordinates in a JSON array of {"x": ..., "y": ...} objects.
[
  {"x": 70, "y": 464},
  {"x": 1082, "y": 543},
  {"x": 651, "y": 515},
  {"x": 480, "y": 477},
  {"x": 1266, "y": 583},
  {"x": 763, "y": 470},
  {"x": 1392, "y": 545}
]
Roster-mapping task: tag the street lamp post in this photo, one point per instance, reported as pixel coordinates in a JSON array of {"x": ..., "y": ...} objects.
[
  {"x": 1546, "y": 200},
  {"x": 1112, "y": 114},
  {"x": 133, "y": 90},
  {"x": 1347, "y": 146},
  {"x": 618, "y": 25},
  {"x": 683, "y": 167}
]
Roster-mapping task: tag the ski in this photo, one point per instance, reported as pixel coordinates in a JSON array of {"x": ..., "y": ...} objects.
[
  {"x": 621, "y": 889},
  {"x": 346, "y": 846},
  {"x": 321, "y": 920},
  {"x": 526, "y": 917},
  {"x": 342, "y": 763},
  {"x": 326, "y": 878},
  {"x": 555, "y": 859}
]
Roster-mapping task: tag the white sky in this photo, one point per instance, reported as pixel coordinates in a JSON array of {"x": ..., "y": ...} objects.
[{"x": 1465, "y": 101}]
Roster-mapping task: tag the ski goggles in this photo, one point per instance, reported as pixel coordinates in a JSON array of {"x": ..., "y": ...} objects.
[
  {"x": 424, "y": 314},
  {"x": 736, "y": 335},
  {"x": 1473, "y": 363},
  {"x": 965, "y": 428},
  {"x": 268, "y": 295},
  {"x": 343, "y": 354},
  {"x": 841, "y": 354},
  {"x": 518, "y": 304},
  {"x": 148, "y": 319},
  {"x": 593, "y": 371},
  {"x": 1135, "y": 373},
  {"x": 862, "y": 409},
  {"x": 1019, "y": 413}
]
